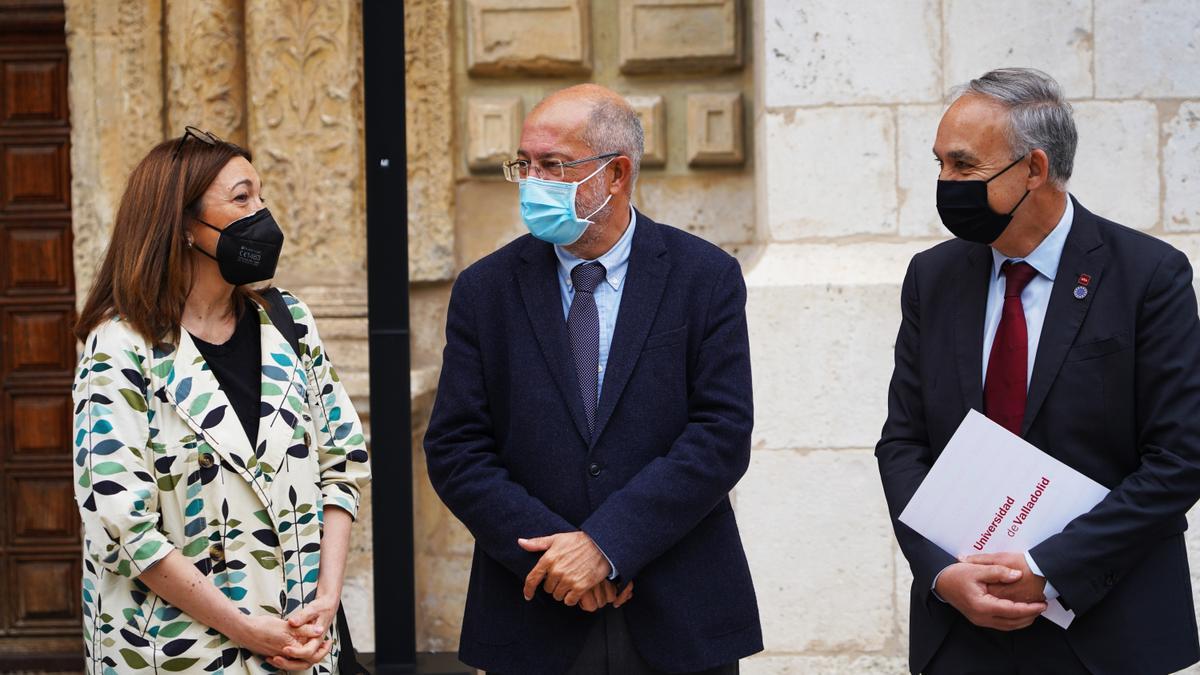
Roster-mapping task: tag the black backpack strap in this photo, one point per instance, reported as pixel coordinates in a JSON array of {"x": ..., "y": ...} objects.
[
  {"x": 285, "y": 323},
  {"x": 281, "y": 317},
  {"x": 348, "y": 659}
]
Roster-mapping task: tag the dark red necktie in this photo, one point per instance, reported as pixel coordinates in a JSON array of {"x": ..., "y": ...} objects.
[{"x": 1008, "y": 365}]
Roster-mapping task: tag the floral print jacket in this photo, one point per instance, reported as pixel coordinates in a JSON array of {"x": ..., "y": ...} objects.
[{"x": 162, "y": 462}]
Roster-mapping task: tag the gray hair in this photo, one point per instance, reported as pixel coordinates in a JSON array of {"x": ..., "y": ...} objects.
[
  {"x": 1039, "y": 116},
  {"x": 613, "y": 127}
]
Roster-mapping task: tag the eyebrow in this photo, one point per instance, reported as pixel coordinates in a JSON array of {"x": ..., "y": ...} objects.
[
  {"x": 244, "y": 180},
  {"x": 960, "y": 155},
  {"x": 553, "y": 154}
]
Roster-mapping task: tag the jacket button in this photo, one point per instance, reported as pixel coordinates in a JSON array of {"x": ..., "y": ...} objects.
[
  {"x": 1110, "y": 579},
  {"x": 216, "y": 552},
  {"x": 594, "y": 469},
  {"x": 206, "y": 460}
]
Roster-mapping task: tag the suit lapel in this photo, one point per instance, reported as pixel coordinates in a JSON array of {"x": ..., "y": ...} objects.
[
  {"x": 644, "y": 286},
  {"x": 1083, "y": 253},
  {"x": 197, "y": 396},
  {"x": 193, "y": 389},
  {"x": 969, "y": 313},
  {"x": 538, "y": 280}
]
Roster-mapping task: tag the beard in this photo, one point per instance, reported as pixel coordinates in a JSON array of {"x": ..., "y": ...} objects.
[{"x": 589, "y": 198}]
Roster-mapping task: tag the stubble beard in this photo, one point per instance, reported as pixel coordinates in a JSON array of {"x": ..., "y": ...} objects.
[{"x": 587, "y": 203}]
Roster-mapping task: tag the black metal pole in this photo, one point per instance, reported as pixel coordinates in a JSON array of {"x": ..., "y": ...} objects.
[{"x": 387, "y": 299}]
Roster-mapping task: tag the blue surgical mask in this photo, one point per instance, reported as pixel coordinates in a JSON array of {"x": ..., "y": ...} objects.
[{"x": 548, "y": 209}]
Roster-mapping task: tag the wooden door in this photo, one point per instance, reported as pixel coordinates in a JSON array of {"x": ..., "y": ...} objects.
[{"x": 39, "y": 524}]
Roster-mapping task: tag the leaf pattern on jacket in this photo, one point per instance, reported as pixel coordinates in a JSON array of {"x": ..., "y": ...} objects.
[{"x": 162, "y": 464}]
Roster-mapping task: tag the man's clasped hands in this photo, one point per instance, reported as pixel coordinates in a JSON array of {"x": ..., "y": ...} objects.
[
  {"x": 994, "y": 590},
  {"x": 574, "y": 571}
]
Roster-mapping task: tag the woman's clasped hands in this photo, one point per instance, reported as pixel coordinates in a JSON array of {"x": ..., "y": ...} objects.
[{"x": 296, "y": 643}]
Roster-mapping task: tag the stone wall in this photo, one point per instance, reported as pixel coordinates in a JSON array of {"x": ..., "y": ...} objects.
[{"x": 849, "y": 99}]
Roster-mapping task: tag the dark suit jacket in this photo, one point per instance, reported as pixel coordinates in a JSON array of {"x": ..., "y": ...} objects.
[
  {"x": 509, "y": 452},
  {"x": 1115, "y": 394}
]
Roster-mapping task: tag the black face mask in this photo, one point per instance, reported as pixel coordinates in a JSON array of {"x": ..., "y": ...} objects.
[
  {"x": 248, "y": 248},
  {"x": 963, "y": 206}
]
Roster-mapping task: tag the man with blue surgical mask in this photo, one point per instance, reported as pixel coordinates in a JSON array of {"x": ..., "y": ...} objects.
[{"x": 593, "y": 414}]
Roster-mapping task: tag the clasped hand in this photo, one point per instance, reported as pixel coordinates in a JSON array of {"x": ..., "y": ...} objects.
[
  {"x": 995, "y": 590},
  {"x": 295, "y": 643},
  {"x": 574, "y": 571}
]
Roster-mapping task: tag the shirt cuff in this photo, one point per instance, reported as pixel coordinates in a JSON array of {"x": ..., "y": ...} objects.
[
  {"x": 933, "y": 586},
  {"x": 611, "y": 566},
  {"x": 1051, "y": 592}
]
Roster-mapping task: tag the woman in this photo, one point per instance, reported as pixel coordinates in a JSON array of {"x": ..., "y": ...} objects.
[{"x": 217, "y": 470}]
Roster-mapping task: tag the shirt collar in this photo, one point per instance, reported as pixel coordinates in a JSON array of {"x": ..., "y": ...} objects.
[
  {"x": 615, "y": 261},
  {"x": 1045, "y": 257}
]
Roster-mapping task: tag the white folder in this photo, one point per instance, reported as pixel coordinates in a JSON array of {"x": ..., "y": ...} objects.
[{"x": 992, "y": 492}]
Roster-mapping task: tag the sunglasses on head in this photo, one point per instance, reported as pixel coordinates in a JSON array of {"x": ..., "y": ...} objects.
[{"x": 207, "y": 137}]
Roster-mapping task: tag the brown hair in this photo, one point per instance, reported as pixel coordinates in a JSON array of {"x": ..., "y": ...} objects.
[{"x": 147, "y": 273}]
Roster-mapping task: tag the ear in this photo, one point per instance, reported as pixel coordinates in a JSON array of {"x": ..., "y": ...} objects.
[
  {"x": 1039, "y": 169},
  {"x": 622, "y": 168}
]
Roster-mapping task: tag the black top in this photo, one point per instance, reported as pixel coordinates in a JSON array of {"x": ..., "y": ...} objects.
[{"x": 237, "y": 364}]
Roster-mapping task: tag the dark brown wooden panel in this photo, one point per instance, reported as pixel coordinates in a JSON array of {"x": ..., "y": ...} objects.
[
  {"x": 35, "y": 176},
  {"x": 38, "y": 341},
  {"x": 45, "y": 592},
  {"x": 36, "y": 258},
  {"x": 32, "y": 91},
  {"x": 32, "y": 24},
  {"x": 39, "y": 523},
  {"x": 37, "y": 427},
  {"x": 5, "y": 597},
  {"x": 41, "y": 510}
]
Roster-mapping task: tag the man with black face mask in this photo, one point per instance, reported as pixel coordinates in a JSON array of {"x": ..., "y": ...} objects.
[{"x": 1079, "y": 335}]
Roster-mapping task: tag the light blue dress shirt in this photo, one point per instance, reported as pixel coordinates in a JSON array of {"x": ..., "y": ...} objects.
[
  {"x": 608, "y": 293},
  {"x": 1035, "y": 299},
  {"x": 1036, "y": 296},
  {"x": 608, "y": 300}
]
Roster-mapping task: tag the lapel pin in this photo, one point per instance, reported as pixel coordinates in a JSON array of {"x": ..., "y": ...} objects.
[{"x": 1081, "y": 289}]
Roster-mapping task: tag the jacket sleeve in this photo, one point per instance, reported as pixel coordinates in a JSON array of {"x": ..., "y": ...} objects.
[
  {"x": 115, "y": 487},
  {"x": 673, "y": 493},
  {"x": 461, "y": 454},
  {"x": 903, "y": 451},
  {"x": 341, "y": 447},
  {"x": 1096, "y": 549}
]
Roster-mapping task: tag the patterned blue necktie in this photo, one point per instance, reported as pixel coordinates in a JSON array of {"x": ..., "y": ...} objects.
[{"x": 583, "y": 327}]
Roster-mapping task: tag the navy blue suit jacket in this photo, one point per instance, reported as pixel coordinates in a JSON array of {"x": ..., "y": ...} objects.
[
  {"x": 1115, "y": 394},
  {"x": 509, "y": 452}
]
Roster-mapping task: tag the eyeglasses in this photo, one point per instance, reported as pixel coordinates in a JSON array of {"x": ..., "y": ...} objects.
[
  {"x": 207, "y": 137},
  {"x": 517, "y": 170}
]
